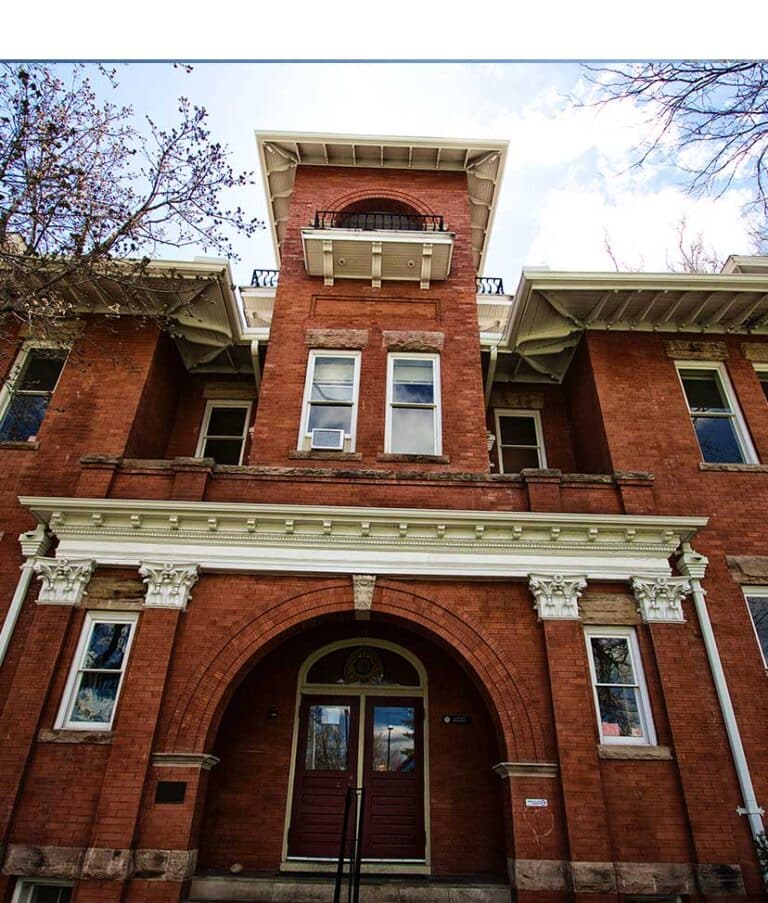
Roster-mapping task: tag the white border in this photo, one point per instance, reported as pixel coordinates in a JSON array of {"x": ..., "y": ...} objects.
[
  {"x": 68, "y": 698},
  {"x": 644, "y": 704},
  {"x": 740, "y": 426},
  {"x": 23, "y": 889},
  {"x": 17, "y": 368},
  {"x": 437, "y": 407},
  {"x": 520, "y": 412},
  {"x": 216, "y": 403},
  {"x": 305, "y": 438},
  {"x": 760, "y": 592}
]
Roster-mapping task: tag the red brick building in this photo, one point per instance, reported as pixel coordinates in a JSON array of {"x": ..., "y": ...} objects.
[{"x": 498, "y": 559}]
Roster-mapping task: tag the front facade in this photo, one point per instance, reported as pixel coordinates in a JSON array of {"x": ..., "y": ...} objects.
[{"x": 495, "y": 559}]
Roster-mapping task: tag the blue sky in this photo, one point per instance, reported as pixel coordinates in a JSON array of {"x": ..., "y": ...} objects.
[{"x": 568, "y": 182}]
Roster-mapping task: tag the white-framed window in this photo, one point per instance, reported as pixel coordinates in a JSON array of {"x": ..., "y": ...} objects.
[
  {"x": 330, "y": 399},
  {"x": 223, "y": 431},
  {"x": 42, "y": 890},
  {"x": 94, "y": 682},
  {"x": 757, "y": 603},
  {"x": 26, "y": 393},
  {"x": 519, "y": 440},
  {"x": 414, "y": 417},
  {"x": 762, "y": 375},
  {"x": 621, "y": 696},
  {"x": 717, "y": 421}
]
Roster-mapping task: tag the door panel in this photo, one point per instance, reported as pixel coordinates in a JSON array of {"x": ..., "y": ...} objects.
[
  {"x": 393, "y": 777},
  {"x": 326, "y": 765}
]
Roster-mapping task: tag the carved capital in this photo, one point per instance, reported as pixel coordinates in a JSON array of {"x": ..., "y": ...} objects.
[
  {"x": 168, "y": 585},
  {"x": 661, "y": 598},
  {"x": 362, "y": 588},
  {"x": 62, "y": 581},
  {"x": 557, "y": 596}
]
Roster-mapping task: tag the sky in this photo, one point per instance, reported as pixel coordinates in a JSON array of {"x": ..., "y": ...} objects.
[{"x": 569, "y": 185}]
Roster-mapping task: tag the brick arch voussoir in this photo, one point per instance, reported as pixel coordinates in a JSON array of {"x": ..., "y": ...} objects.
[{"x": 392, "y": 194}]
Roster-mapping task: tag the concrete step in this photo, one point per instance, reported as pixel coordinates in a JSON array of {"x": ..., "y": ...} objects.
[{"x": 373, "y": 889}]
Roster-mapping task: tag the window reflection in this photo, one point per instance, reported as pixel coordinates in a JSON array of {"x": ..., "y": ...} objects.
[
  {"x": 393, "y": 738},
  {"x": 327, "y": 738}
]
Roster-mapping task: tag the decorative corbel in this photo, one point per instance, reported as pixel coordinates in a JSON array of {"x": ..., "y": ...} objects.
[
  {"x": 557, "y": 596},
  {"x": 660, "y": 598},
  {"x": 168, "y": 585}
]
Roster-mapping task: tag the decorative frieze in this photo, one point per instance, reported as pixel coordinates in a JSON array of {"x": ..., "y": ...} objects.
[
  {"x": 168, "y": 585},
  {"x": 62, "y": 581},
  {"x": 557, "y": 597},
  {"x": 661, "y": 598},
  {"x": 362, "y": 588}
]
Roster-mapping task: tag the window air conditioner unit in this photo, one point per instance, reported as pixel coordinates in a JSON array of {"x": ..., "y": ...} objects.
[{"x": 328, "y": 440}]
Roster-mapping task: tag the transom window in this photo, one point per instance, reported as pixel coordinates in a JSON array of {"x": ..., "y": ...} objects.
[
  {"x": 757, "y": 602},
  {"x": 224, "y": 430},
  {"x": 717, "y": 421},
  {"x": 621, "y": 698},
  {"x": 42, "y": 892},
  {"x": 97, "y": 672},
  {"x": 370, "y": 665},
  {"x": 519, "y": 441},
  {"x": 330, "y": 400},
  {"x": 27, "y": 393},
  {"x": 413, "y": 424}
]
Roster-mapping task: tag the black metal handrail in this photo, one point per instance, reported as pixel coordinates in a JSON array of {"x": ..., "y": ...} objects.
[
  {"x": 265, "y": 278},
  {"x": 490, "y": 285},
  {"x": 354, "y": 807},
  {"x": 374, "y": 220}
]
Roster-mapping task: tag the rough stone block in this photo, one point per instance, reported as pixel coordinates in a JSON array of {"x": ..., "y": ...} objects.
[
  {"x": 720, "y": 879},
  {"x": 31, "y": 861},
  {"x": 655, "y": 878},
  {"x": 593, "y": 877},
  {"x": 107, "y": 865},
  {"x": 539, "y": 874}
]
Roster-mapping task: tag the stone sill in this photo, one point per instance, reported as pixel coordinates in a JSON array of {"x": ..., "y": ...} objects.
[
  {"x": 21, "y": 446},
  {"x": 317, "y": 455},
  {"x": 415, "y": 459},
  {"x": 619, "y": 751},
  {"x": 46, "y": 735},
  {"x": 734, "y": 468}
]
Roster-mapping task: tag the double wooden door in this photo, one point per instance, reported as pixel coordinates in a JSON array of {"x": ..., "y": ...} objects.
[{"x": 349, "y": 741}]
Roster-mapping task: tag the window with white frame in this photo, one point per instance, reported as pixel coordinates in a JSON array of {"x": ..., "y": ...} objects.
[
  {"x": 223, "y": 431},
  {"x": 519, "y": 440},
  {"x": 621, "y": 697},
  {"x": 94, "y": 683},
  {"x": 329, "y": 414},
  {"x": 757, "y": 603},
  {"x": 42, "y": 891},
  {"x": 27, "y": 392},
  {"x": 762, "y": 375},
  {"x": 717, "y": 421},
  {"x": 413, "y": 419}
]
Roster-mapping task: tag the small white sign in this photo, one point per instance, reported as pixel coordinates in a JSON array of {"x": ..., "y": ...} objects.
[{"x": 537, "y": 804}]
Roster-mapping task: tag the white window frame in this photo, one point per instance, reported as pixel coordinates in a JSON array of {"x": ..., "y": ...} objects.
[
  {"x": 520, "y": 413},
  {"x": 350, "y": 438},
  {"x": 643, "y": 706},
  {"x": 215, "y": 403},
  {"x": 63, "y": 721},
  {"x": 437, "y": 405},
  {"x": 22, "y": 892},
  {"x": 17, "y": 368},
  {"x": 760, "y": 592},
  {"x": 737, "y": 418},
  {"x": 762, "y": 374}
]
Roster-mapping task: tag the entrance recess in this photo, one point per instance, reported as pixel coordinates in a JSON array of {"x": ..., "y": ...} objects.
[{"x": 360, "y": 724}]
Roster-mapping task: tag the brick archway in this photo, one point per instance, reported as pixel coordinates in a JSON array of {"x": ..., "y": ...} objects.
[
  {"x": 197, "y": 715},
  {"x": 403, "y": 197}
]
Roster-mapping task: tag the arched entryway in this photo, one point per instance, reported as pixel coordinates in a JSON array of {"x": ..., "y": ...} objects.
[
  {"x": 390, "y": 674},
  {"x": 360, "y": 722}
]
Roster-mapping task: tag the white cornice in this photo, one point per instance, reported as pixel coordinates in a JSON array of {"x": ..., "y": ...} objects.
[{"x": 345, "y": 540}]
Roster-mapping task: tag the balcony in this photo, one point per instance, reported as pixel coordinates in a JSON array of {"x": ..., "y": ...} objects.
[{"x": 378, "y": 245}]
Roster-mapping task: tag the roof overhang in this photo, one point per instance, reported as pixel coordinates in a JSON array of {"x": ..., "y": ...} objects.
[
  {"x": 482, "y": 160},
  {"x": 551, "y": 310}
]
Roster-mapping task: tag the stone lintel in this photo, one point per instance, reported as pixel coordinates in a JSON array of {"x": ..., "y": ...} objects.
[
  {"x": 71, "y": 863},
  {"x": 526, "y": 769},
  {"x": 206, "y": 761},
  {"x": 749, "y": 569},
  {"x": 414, "y": 340},
  {"x": 696, "y": 350},
  {"x": 47, "y": 735},
  {"x": 593, "y": 877},
  {"x": 755, "y": 351},
  {"x": 620, "y": 751},
  {"x": 341, "y": 339}
]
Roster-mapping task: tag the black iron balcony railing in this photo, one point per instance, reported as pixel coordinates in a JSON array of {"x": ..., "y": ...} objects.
[
  {"x": 374, "y": 220},
  {"x": 265, "y": 278},
  {"x": 490, "y": 285}
]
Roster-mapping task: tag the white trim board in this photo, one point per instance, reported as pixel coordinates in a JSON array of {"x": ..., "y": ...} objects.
[{"x": 263, "y": 538}]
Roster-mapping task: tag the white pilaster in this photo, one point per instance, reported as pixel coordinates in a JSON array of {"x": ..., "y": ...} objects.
[
  {"x": 168, "y": 585},
  {"x": 557, "y": 595}
]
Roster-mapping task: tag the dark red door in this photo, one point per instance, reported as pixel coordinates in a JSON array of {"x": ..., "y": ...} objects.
[
  {"x": 393, "y": 777},
  {"x": 326, "y": 765}
]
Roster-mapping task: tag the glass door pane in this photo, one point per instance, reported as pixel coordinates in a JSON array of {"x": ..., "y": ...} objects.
[{"x": 393, "y": 738}]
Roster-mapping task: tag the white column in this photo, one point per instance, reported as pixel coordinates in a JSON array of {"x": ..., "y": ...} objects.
[{"x": 33, "y": 543}]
